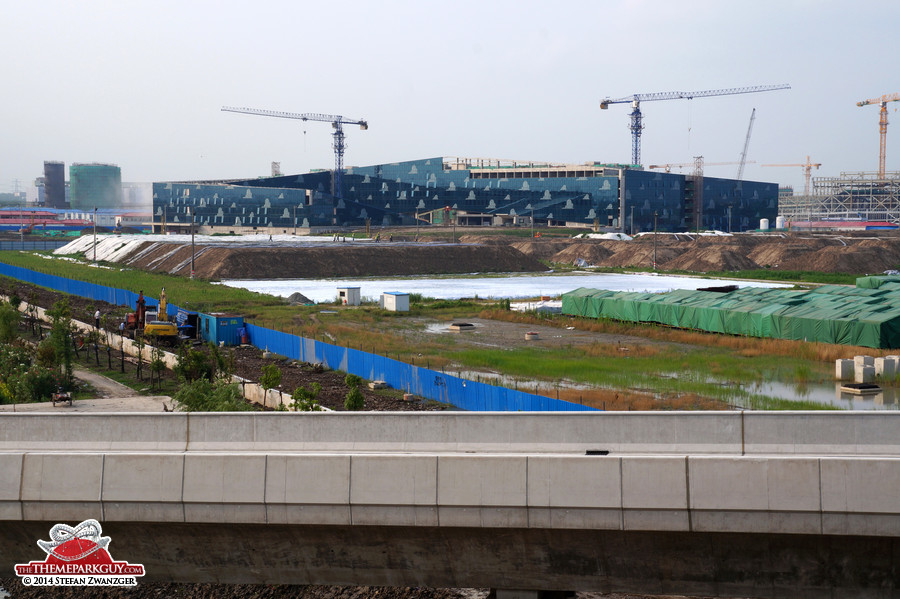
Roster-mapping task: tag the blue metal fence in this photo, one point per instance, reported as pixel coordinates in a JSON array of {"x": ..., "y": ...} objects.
[{"x": 430, "y": 384}]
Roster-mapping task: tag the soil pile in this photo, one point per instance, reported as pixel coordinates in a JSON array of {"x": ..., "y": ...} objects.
[
  {"x": 843, "y": 254},
  {"x": 222, "y": 262}
]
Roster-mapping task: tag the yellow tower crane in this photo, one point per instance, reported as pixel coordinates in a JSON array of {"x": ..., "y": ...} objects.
[
  {"x": 882, "y": 126},
  {"x": 807, "y": 171},
  {"x": 669, "y": 166}
]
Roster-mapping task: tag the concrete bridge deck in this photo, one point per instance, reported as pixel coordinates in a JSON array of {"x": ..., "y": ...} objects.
[{"x": 739, "y": 503}]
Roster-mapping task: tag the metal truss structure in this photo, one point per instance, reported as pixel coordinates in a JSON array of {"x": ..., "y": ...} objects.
[{"x": 850, "y": 197}]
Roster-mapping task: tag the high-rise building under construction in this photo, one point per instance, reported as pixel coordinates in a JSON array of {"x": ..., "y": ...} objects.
[
  {"x": 95, "y": 186},
  {"x": 55, "y": 184}
]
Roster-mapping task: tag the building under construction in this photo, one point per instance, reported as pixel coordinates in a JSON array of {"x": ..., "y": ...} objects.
[
  {"x": 468, "y": 191},
  {"x": 851, "y": 201}
]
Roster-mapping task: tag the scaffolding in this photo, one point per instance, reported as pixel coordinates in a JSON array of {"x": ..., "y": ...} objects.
[{"x": 861, "y": 196}]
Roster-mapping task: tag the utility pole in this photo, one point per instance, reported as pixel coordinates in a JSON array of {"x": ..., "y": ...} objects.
[
  {"x": 191, "y": 208},
  {"x": 95, "y": 235},
  {"x": 655, "y": 218}
]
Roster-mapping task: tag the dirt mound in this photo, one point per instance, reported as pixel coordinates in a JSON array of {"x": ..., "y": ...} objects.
[
  {"x": 222, "y": 262},
  {"x": 592, "y": 253},
  {"x": 711, "y": 258},
  {"x": 542, "y": 250}
]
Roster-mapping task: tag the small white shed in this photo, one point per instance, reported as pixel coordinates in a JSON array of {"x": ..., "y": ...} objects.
[
  {"x": 395, "y": 301},
  {"x": 349, "y": 296}
]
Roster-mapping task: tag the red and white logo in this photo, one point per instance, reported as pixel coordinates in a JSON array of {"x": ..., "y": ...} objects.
[{"x": 78, "y": 556}]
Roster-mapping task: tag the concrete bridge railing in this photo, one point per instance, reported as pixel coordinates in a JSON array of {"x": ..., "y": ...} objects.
[{"x": 714, "y": 472}]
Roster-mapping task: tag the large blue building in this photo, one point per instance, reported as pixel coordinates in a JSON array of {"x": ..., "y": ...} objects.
[{"x": 469, "y": 191}]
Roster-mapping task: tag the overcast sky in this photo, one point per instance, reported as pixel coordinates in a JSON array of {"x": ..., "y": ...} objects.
[{"x": 141, "y": 84}]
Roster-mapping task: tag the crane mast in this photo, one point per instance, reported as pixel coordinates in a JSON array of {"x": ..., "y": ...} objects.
[
  {"x": 882, "y": 127},
  {"x": 740, "y": 172},
  {"x": 637, "y": 125},
  {"x": 337, "y": 123}
]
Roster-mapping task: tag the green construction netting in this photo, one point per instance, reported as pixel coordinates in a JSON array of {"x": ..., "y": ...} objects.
[{"x": 867, "y": 315}]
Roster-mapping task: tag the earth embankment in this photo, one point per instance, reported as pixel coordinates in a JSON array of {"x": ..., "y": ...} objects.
[{"x": 279, "y": 262}]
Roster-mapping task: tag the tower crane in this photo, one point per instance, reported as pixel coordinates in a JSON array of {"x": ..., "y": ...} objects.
[
  {"x": 740, "y": 173},
  {"x": 337, "y": 123},
  {"x": 669, "y": 166},
  {"x": 807, "y": 170},
  {"x": 882, "y": 126},
  {"x": 637, "y": 117}
]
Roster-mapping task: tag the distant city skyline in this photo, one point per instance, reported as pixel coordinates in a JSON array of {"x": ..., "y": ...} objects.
[{"x": 141, "y": 86}]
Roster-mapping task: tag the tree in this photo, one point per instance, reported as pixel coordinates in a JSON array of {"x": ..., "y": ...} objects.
[
  {"x": 157, "y": 365},
  {"x": 9, "y": 322},
  {"x": 271, "y": 377},
  {"x": 62, "y": 335}
]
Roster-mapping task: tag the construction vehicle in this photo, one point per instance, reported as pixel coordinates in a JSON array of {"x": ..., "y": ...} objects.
[{"x": 148, "y": 324}]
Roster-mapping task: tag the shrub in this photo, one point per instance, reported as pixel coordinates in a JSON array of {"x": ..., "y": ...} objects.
[
  {"x": 202, "y": 395},
  {"x": 193, "y": 365},
  {"x": 352, "y": 381},
  {"x": 355, "y": 400},
  {"x": 304, "y": 400}
]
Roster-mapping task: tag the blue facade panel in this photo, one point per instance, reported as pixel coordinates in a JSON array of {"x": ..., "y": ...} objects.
[{"x": 393, "y": 194}]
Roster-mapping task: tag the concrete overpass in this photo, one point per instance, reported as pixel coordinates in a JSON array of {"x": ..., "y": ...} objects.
[{"x": 769, "y": 504}]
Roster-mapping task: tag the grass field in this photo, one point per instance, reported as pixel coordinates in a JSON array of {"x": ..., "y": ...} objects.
[{"x": 674, "y": 364}]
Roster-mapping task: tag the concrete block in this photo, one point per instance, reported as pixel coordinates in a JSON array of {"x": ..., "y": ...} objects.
[
  {"x": 875, "y": 525},
  {"x": 226, "y": 431},
  {"x": 71, "y": 512},
  {"x": 787, "y": 484},
  {"x": 861, "y": 485},
  {"x": 741, "y": 521},
  {"x": 885, "y": 368},
  {"x": 57, "y": 477},
  {"x": 320, "y": 515},
  {"x": 843, "y": 370},
  {"x": 140, "y": 511},
  {"x": 236, "y": 513},
  {"x": 393, "y": 480},
  {"x": 232, "y": 478},
  {"x": 308, "y": 479},
  {"x": 860, "y": 361},
  {"x": 380, "y": 515},
  {"x": 660, "y": 520},
  {"x": 826, "y": 433},
  {"x": 650, "y": 482},
  {"x": 865, "y": 374},
  {"x": 477, "y": 517},
  {"x": 10, "y": 510},
  {"x": 94, "y": 432},
  {"x": 482, "y": 480},
  {"x": 11, "y": 475},
  {"x": 574, "y": 481},
  {"x": 143, "y": 477},
  {"x": 575, "y": 518}
]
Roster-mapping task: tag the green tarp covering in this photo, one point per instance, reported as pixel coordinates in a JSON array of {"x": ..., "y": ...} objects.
[{"x": 867, "y": 315}]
